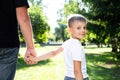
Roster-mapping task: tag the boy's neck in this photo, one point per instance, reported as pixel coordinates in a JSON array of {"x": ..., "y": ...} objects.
[{"x": 75, "y": 38}]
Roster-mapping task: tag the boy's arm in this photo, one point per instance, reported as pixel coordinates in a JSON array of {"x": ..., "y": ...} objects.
[
  {"x": 50, "y": 54},
  {"x": 77, "y": 70}
]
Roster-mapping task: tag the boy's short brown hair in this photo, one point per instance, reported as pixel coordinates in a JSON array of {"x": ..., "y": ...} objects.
[{"x": 76, "y": 17}]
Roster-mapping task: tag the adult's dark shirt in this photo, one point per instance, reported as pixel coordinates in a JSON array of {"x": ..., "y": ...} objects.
[{"x": 8, "y": 23}]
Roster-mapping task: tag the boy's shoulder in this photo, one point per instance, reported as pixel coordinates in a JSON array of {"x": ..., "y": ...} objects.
[
  {"x": 70, "y": 42},
  {"x": 67, "y": 41}
]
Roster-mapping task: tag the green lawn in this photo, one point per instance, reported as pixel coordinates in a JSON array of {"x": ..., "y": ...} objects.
[{"x": 100, "y": 65}]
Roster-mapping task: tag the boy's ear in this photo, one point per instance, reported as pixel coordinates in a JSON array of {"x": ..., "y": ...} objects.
[{"x": 68, "y": 29}]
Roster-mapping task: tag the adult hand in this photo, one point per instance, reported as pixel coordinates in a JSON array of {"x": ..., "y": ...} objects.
[{"x": 30, "y": 52}]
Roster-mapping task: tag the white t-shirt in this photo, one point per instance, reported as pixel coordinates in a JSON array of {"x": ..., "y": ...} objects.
[{"x": 73, "y": 50}]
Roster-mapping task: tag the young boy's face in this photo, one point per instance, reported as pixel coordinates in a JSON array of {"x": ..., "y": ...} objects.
[{"x": 78, "y": 29}]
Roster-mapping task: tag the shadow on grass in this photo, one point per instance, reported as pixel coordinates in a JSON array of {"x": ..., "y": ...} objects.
[
  {"x": 22, "y": 65},
  {"x": 102, "y": 73},
  {"x": 100, "y": 67},
  {"x": 94, "y": 47},
  {"x": 105, "y": 57}
]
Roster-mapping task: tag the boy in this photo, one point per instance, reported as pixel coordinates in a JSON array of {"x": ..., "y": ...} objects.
[{"x": 74, "y": 55}]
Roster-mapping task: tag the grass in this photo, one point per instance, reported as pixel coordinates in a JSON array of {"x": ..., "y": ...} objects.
[{"x": 100, "y": 65}]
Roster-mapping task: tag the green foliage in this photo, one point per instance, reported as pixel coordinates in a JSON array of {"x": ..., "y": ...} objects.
[
  {"x": 74, "y": 6},
  {"x": 21, "y": 37},
  {"x": 35, "y": 2},
  {"x": 39, "y": 22},
  {"x": 60, "y": 32},
  {"x": 40, "y": 26},
  {"x": 103, "y": 15},
  {"x": 71, "y": 7}
]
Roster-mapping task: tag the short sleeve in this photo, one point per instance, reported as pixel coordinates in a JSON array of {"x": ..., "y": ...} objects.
[
  {"x": 63, "y": 46},
  {"x": 77, "y": 53},
  {"x": 20, "y": 3}
]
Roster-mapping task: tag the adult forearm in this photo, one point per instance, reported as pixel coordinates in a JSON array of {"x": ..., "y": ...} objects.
[
  {"x": 25, "y": 26},
  {"x": 26, "y": 30}
]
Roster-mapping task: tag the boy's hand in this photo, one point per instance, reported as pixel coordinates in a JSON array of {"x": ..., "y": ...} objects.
[
  {"x": 30, "y": 52},
  {"x": 33, "y": 59}
]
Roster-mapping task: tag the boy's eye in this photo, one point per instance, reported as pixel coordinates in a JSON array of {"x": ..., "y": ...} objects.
[
  {"x": 81, "y": 27},
  {"x": 84, "y": 27}
]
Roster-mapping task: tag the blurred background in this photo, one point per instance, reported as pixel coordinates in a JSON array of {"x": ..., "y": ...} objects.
[{"x": 102, "y": 42}]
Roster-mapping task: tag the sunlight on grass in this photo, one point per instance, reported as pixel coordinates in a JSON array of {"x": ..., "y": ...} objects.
[
  {"x": 51, "y": 70},
  {"x": 100, "y": 65}
]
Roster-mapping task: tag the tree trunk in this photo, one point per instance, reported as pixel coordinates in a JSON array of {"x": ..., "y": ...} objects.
[{"x": 114, "y": 44}]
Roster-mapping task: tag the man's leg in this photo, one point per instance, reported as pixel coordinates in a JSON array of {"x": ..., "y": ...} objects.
[{"x": 8, "y": 60}]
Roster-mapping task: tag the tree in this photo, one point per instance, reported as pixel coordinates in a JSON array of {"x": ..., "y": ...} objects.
[
  {"x": 36, "y": 2},
  {"x": 40, "y": 27},
  {"x": 107, "y": 11},
  {"x": 60, "y": 32},
  {"x": 74, "y": 6}
]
